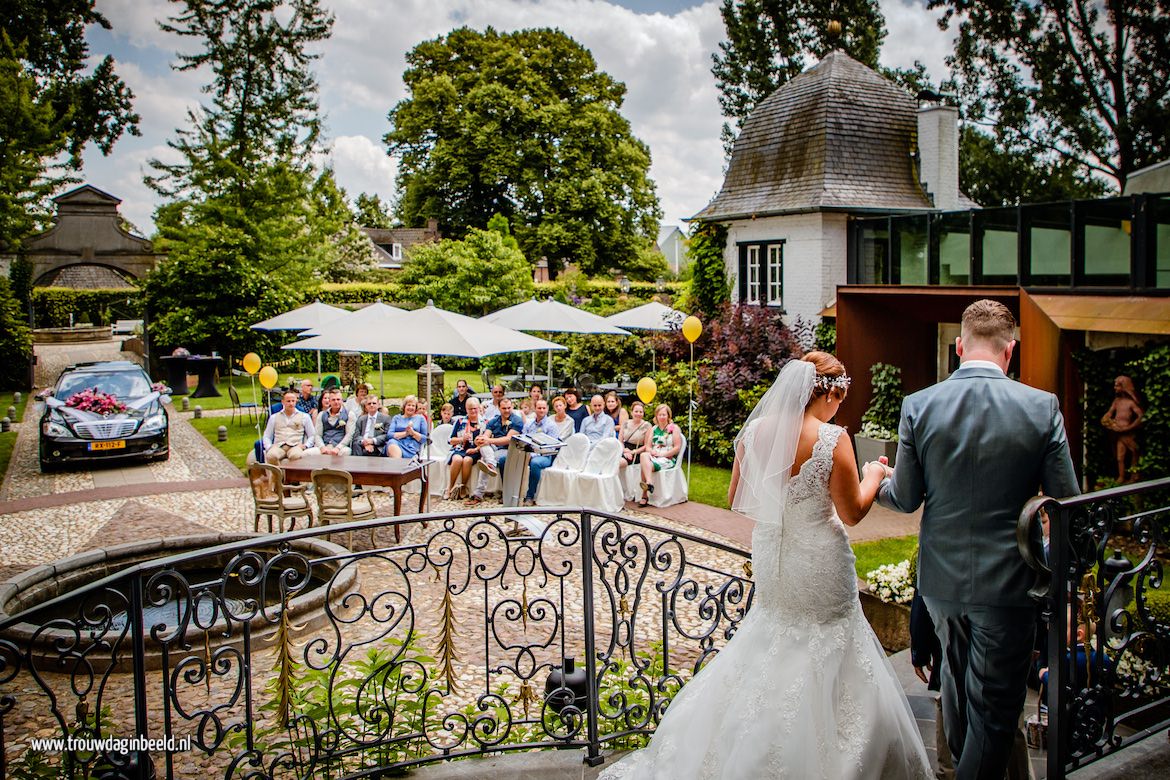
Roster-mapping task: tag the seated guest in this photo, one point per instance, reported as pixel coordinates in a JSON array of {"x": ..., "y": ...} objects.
[
  {"x": 464, "y": 451},
  {"x": 538, "y": 463},
  {"x": 289, "y": 432},
  {"x": 307, "y": 401},
  {"x": 566, "y": 425},
  {"x": 535, "y": 393},
  {"x": 371, "y": 431},
  {"x": 597, "y": 425},
  {"x": 334, "y": 426},
  {"x": 356, "y": 403},
  {"x": 577, "y": 410},
  {"x": 614, "y": 408},
  {"x": 459, "y": 400},
  {"x": 447, "y": 414},
  {"x": 527, "y": 409},
  {"x": 493, "y": 446},
  {"x": 408, "y": 431},
  {"x": 633, "y": 435},
  {"x": 663, "y": 444},
  {"x": 492, "y": 407}
]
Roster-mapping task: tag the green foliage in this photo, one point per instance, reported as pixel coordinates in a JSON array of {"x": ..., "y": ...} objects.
[
  {"x": 1067, "y": 79},
  {"x": 370, "y": 211},
  {"x": 769, "y": 42},
  {"x": 53, "y": 305},
  {"x": 15, "y": 341},
  {"x": 20, "y": 275},
  {"x": 474, "y": 276},
  {"x": 55, "y": 100},
  {"x": 648, "y": 264},
  {"x": 602, "y": 357},
  {"x": 825, "y": 336},
  {"x": 993, "y": 175},
  {"x": 522, "y": 124},
  {"x": 880, "y": 420},
  {"x": 1149, "y": 368},
  {"x": 709, "y": 289}
]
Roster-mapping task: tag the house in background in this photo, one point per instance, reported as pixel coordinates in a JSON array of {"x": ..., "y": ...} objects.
[
  {"x": 837, "y": 142},
  {"x": 672, "y": 244},
  {"x": 393, "y": 243}
]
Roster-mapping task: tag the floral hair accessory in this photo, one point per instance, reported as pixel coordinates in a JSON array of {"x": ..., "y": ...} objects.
[{"x": 827, "y": 383}]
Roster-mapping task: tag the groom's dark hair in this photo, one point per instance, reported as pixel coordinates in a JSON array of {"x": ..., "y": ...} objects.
[{"x": 988, "y": 322}]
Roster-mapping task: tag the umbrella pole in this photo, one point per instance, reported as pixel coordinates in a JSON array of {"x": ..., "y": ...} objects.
[
  {"x": 426, "y": 464},
  {"x": 532, "y": 357},
  {"x": 550, "y": 382},
  {"x": 381, "y": 379},
  {"x": 318, "y": 368}
]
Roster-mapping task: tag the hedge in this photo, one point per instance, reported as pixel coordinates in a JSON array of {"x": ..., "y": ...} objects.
[
  {"x": 53, "y": 305},
  {"x": 601, "y": 292}
]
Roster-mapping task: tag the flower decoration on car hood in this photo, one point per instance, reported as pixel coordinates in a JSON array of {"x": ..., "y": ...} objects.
[{"x": 95, "y": 401}]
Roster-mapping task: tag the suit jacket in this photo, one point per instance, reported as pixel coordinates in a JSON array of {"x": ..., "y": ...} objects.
[
  {"x": 382, "y": 430},
  {"x": 975, "y": 448}
]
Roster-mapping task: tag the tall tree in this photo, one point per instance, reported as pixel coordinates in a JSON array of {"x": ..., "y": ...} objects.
[
  {"x": 1084, "y": 81},
  {"x": 370, "y": 211},
  {"x": 249, "y": 222},
  {"x": 53, "y": 104},
  {"x": 771, "y": 41},
  {"x": 993, "y": 176},
  {"x": 524, "y": 125}
]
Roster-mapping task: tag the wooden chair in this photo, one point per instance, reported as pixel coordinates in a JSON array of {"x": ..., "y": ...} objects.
[
  {"x": 239, "y": 408},
  {"x": 336, "y": 500},
  {"x": 274, "y": 499}
]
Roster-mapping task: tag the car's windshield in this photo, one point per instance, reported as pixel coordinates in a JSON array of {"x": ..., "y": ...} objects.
[{"x": 122, "y": 384}]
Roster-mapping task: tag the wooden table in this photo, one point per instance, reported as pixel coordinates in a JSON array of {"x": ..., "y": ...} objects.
[{"x": 382, "y": 472}]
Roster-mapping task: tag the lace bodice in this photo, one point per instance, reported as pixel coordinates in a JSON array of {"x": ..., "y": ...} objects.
[{"x": 803, "y": 567}]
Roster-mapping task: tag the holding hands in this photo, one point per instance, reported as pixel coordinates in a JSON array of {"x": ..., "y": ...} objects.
[{"x": 881, "y": 466}]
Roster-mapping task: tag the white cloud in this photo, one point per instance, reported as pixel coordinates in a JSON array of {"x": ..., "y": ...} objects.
[{"x": 664, "y": 60}]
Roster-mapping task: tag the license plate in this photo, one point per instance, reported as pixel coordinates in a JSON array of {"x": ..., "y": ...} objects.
[{"x": 116, "y": 444}]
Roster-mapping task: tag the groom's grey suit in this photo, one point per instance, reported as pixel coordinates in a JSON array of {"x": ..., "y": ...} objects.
[{"x": 976, "y": 447}]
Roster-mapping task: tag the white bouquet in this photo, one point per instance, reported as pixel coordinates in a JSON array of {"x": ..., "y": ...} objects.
[{"x": 891, "y": 583}]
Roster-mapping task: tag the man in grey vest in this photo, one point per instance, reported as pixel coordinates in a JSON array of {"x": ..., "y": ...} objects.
[{"x": 975, "y": 448}]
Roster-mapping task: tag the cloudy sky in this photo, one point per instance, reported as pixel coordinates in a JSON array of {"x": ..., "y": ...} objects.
[{"x": 661, "y": 50}]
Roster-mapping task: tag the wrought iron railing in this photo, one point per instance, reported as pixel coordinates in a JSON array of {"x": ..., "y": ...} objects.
[
  {"x": 1102, "y": 572},
  {"x": 453, "y": 642}
]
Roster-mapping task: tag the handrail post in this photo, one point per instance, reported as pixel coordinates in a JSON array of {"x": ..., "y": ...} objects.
[
  {"x": 593, "y": 754},
  {"x": 138, "y": 645},
  {"x": 1058, "y": 551}
]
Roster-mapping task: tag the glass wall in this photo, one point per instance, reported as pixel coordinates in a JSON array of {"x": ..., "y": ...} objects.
[
  {"x": 1161, "y": 237},
  {"x": 1049, "y": 245},
  {"x": 872, "y": 251},
  {"x": 954, "y": 247},
  {"x": 911, "y": 241},
  {"x": 1107, "y": 228},
  {"x": 997, "y": 232}
]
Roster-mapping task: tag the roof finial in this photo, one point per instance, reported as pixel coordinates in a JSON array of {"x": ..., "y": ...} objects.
[{"x": 833, "y": 31}]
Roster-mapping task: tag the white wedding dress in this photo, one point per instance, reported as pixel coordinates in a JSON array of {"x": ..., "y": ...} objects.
[{"x": 803, "y": 689}]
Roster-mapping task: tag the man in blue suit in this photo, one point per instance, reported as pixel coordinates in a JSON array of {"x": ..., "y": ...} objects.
[{"x": 975, "y": 448}]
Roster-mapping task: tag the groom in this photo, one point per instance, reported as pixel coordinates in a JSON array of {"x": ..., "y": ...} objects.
[{"x": 975, "y": 448}]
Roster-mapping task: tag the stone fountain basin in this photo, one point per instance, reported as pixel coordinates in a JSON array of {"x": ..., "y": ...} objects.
[{"x": 41, "y": 584}]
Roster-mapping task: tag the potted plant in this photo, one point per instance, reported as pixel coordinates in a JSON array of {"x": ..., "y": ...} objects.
[{"x": 879, "y": 424}]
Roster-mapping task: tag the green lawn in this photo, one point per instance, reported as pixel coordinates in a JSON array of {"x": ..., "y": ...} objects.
[
  {"x": 8, "y": 440},
  {"x": 240, "y": 437},
  {"x": 871, "y": 555},
  {"x": 399, "y": 382},
  {"x": 708, "y": 485}
]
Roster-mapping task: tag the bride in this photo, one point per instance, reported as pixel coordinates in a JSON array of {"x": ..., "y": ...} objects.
[{"x": 803, "y": 689}]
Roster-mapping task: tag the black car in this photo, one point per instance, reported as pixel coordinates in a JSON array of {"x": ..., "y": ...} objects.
[{"x": 103, "y": 411}]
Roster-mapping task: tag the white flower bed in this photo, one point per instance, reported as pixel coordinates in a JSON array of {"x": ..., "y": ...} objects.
[{"x": 891, "y": 583}]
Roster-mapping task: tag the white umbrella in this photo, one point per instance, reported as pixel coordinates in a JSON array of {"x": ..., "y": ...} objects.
[
  {"x": 376, "y": 316},
  {"x": 309, "y": 316},
  {"x": 551, "y": 316},
  {"x": 648, "y": 316}
]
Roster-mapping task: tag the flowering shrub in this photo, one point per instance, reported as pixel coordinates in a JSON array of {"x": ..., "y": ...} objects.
[
  {"x": 1142, "y": 676},
  {"x": 891, "y": 583},
  {"x": 96, "y": 402}
]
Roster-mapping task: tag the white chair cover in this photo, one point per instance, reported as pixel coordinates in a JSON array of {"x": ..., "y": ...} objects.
[
  {"x": 437, "y": 471},
  {"x": 670, "y": 485},
  {"x": 598, "y": 485},
  {"x": 555, "y": 481}
]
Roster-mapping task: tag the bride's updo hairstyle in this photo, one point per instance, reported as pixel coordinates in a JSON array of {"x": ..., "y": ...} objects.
[{"x": 831, "y": 378}]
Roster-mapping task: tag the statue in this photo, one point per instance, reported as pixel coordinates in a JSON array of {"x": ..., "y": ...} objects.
[{"x": 1122, "y": 421}]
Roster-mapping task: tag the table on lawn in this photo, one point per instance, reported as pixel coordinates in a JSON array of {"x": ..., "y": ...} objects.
[{"x": 378, "y": 471}]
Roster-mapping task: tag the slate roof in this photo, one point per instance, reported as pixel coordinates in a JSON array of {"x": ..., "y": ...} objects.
[{"x": 837, "y": 137}]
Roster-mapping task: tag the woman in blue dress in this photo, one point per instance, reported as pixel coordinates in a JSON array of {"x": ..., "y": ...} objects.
[{"x": 408, "y": 431}]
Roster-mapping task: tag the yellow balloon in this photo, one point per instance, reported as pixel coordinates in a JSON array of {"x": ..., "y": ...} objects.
[
  {"x": 647, "y": 389},
  {"x": 251, "y": 362},
  {"x": 692, "y": 328},
  {"x": 268, "y": 377}
]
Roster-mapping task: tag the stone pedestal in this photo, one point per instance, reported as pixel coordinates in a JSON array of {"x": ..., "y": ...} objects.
[
  {"x": 349, "y": 371},
  {"x": 436, "y": 384}
]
